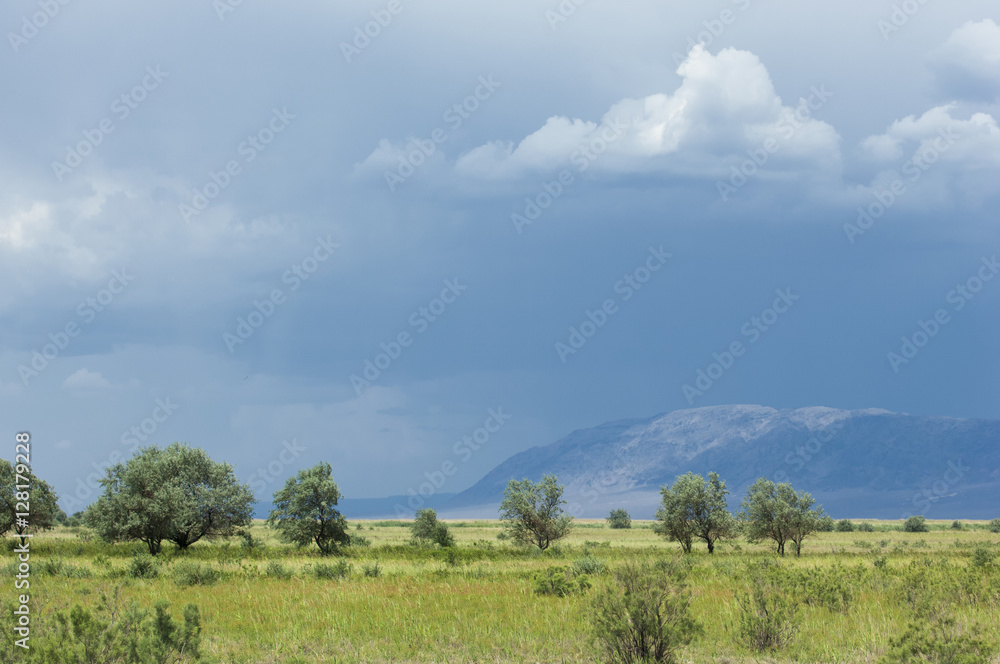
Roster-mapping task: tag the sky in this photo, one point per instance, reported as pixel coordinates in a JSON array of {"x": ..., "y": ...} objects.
[{"x": 394, "y": 234}]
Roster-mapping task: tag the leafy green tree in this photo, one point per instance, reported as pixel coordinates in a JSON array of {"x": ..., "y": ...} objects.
[
  {"x": 994, "y": 526},
  {"x": 305, "y": 510},
  {"x": 532, "y": 514},
  {"x": 177, "y": 494},
  {"x": 778, "y": 513},
  {"x": 695, "y": 508},
  {"x": 619, "y": 519},
  {"x": 426, "y": 529},
  {"x": 915, "y": 524},
  {"x": 41, "y": 501}
]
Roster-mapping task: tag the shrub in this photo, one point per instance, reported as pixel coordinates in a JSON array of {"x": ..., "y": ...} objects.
[
  {"x": 826, "y": 524},
  {"x": 248, "y": 541},
  {"x": 426, "y": 529},
  {"x": 589, "y": 565},
  {"x": 188, "y": 573},
  {"x": 767, "y": 617},
  {"x": 994, "y": 526},
  {"x": 143, "y": 566},
  {"x": 643, "y": 614},
  {"x": 866, "y": 527},
  {"x": 619, "y": 519},
  {"x": 916, "y": 524},
  {"x": 560, "y": 582},
  {"x": 339, "y": 571},
  {"x": 983, "y": 556},
  {"x": 360, "y": 542},
  {"x": 845, "y": 526},
  {"x": 276, "y": 570},
  {"x": 117, "y": 634},
  {"x": 940, "y": 637},
  {"x": 371, "y": 571},
  {"x": 956, "y": 525}
]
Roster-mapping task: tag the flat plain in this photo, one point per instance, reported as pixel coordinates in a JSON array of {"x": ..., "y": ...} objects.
[{"x": 390, "y": 601}]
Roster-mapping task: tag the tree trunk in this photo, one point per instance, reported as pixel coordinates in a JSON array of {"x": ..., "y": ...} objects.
[{"x": 711, "y": 546}]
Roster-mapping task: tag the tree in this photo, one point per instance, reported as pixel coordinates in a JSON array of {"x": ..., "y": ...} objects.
[
  {"x": 777, "y": 512},
  {"x": 426, "y": 529},
  {"x": 619, "y": 519},
  {"x": 18, "y": 484},
  {"x": 305, "y": 511},
  {"x": 178, "y": 494},
  {"x": 532, "y": 514},
  {"x": 994, "y": 526},
  {"x": 915, "y": 524},
  {"x": 845, "y": 526},
  {"x": 695, "y": 508}
]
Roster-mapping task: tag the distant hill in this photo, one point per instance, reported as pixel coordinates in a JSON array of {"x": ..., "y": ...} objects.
[{"x": 857, "y": 464}]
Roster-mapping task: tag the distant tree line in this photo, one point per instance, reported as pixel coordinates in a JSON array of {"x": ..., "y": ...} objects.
[{"x": 179, "y": 494}]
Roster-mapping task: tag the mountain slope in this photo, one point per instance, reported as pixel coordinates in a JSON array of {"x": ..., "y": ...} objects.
[{"x": 861, "y": 463}]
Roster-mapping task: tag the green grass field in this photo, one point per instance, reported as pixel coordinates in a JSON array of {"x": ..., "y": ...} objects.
[{"x": 476, "y": 603}]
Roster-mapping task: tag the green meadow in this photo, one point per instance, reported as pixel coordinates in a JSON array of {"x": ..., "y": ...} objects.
[{"x": 387, "y": 600}]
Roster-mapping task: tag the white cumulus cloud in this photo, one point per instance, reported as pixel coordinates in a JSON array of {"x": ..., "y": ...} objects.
[
  {"x": 84, "y": 379},
  {"x": 725, "y": 106}
]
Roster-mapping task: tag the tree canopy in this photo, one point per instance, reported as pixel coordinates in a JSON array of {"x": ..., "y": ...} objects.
[
  {"x": 177, "y": 494},
  {"x": 305, "y": 510},
  {"x": 695, "y": 508},
  {"x": 778, "y": 513},
  {"x": 41, "y": 500},
  {"x": 532, "y": 514}
]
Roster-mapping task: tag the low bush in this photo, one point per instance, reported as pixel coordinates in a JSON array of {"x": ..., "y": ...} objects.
[
  {"x": 114, "y": 633},
  {"x": 994, "y": 526},
  {"x": 276, "y": 570},
  {"x": 589, "y": 565},
  {"x": 143, "y": 566},
  {"x": 845, "y": 526},
  {"x": 866, "y": 527},
  {"x": 560, "y": 582},
  {"x": 371, "y": 571},
  {"x": 339, "y": 571},
  {"x": 643, "y": 614},
  {"x": 188, "y": 573}
]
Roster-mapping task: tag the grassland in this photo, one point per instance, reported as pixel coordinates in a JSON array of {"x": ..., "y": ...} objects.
[{"x": 475, "y": 602}]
